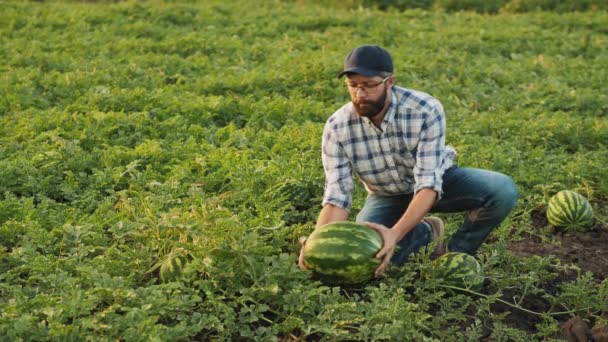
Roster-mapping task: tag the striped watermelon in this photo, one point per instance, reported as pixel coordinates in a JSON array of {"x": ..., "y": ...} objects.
[
  {"x": 570, "y": 210},
  {"x": 172, "y": 265},
  {"x": 459, "y": 270},
  {"x": 343, "y": 253}
]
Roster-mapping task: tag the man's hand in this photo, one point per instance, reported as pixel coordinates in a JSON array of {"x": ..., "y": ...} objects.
[
  {"x": 390, "y": 238},
  {"x": 301, "y": 257}
]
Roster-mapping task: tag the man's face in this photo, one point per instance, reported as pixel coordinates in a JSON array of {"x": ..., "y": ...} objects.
[{"x": 368, "y": 93}]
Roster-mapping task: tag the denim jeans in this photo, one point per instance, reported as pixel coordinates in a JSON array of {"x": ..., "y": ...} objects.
[{"x": 487, "y": 197}]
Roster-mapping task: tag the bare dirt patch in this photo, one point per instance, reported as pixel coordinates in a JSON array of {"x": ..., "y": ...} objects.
[{"x": 586, "y": 250}]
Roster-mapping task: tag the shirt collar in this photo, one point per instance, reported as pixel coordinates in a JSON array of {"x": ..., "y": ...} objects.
[{"x": 390, "y": 113}]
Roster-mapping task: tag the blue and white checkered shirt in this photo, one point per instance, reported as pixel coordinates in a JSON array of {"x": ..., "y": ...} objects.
[{"x": 406, "y": 154}]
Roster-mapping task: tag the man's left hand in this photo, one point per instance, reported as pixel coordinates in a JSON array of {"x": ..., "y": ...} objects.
[{"x": 390, "y": 238}]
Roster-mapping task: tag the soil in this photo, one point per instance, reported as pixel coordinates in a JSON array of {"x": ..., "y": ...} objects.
[{"x": 586, "y": 250}]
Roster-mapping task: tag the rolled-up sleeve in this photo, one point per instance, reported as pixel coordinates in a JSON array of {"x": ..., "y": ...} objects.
[
  {"x": 338, "y": 171},
  {"x": 428, "y": 172}
]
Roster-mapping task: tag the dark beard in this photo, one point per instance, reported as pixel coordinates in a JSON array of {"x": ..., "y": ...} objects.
[{"x": 372, "y": 108}]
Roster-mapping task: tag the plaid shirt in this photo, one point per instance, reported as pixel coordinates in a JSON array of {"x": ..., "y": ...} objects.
[{"x": 406, "y": 154}]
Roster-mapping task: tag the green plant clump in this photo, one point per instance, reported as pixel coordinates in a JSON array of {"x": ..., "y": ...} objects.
[{"x": 132, "y": 132}]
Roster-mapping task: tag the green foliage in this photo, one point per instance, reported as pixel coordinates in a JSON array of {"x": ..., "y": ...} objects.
[
  {"x": 133, "y": 130},
  {"x": 399, "y": 4},
  {"x": 479, "y": 6},
  {"x": 554, "y": 5}
]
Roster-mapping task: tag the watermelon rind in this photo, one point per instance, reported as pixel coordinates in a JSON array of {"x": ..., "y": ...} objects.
[
  {"x": 172, "y": 266},
  {"x": 570, "y": 210},
  {"x": 343, "y": 253},
  {"x": 458, "y": 270}
]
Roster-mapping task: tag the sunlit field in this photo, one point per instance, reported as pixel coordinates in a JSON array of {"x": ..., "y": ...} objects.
[{"x": 133, "y": 133}]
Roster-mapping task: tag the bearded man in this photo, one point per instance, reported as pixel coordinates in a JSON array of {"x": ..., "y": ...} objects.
[{"x": 394, "y": 140}]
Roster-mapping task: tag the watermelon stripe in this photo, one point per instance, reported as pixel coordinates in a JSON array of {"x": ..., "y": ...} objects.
[
  {"x": 574, "y": 201},
  {"x": 585, "y": 214},
  {"x": 566, "y": 204},
  {"x": 578, "y": 213},
  {"x": 352, "y": 236},
  {"x": 556, "y": 220},
  {"x": 346, "y": 233}
]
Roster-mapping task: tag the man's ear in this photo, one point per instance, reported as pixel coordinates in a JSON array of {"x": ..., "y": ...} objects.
[{"x": 391, "y": 81}]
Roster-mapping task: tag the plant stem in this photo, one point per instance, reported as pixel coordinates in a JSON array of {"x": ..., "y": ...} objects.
[{"x": 514, "y": 305}]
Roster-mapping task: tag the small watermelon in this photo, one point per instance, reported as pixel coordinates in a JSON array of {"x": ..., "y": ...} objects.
[
  {"x": 172, "y": 265},
  {"x": 570, "y": 210},
  {"x": 343, "y": 253},
  {"x": 459, "y": 270}
]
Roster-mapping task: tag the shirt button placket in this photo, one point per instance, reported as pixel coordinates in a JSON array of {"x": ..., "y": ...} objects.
[{"x": 389, "y": 157}]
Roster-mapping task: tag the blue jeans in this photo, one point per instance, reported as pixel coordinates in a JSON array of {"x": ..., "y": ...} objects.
[{"x": 487, "y": 197}]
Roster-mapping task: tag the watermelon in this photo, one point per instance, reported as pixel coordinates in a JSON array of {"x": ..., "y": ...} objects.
[
  {"x": 570, "y": 210},
  {"x": 172, "y": 265},
  {"x": 343, "y": 253},
  {"x": 459, "y": 270}
]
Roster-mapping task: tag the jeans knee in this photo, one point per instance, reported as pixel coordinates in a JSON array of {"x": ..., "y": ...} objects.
[{"x": 507, "y": 194}]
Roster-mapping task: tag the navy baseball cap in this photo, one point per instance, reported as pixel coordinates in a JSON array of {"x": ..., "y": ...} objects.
[{"x": 367, "y": 60}]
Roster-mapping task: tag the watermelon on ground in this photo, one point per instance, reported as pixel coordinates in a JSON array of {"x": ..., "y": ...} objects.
[
  {"x": 570, "y": 210},
  {"x": 459, "y": 270},
  {"x": 172, "y": 266},
  {"x": 343, "y": 253}
]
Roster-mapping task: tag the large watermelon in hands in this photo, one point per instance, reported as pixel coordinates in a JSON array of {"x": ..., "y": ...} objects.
[
  {"x": 459, "y": 270},
  {"x": 343, "y": 253},
  {"x": 570, "y": 210}
]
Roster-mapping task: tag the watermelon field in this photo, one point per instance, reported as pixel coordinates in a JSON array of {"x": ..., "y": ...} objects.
[{"x": 159, "y": 162}]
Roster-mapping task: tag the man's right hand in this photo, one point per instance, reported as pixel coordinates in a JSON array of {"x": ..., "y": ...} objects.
[{"x": 301, "y": 257}]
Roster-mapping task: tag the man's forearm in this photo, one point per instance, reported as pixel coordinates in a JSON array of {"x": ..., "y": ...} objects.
[
  {"x": 331, "y": 213},
  {"x": 420, "y": 205}
]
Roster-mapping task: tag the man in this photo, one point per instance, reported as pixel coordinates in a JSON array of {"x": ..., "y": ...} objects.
[{"x": 393, "y": 138}]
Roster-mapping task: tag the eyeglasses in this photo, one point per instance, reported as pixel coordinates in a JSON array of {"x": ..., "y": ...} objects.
[{"x": 366, "y": 87}]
